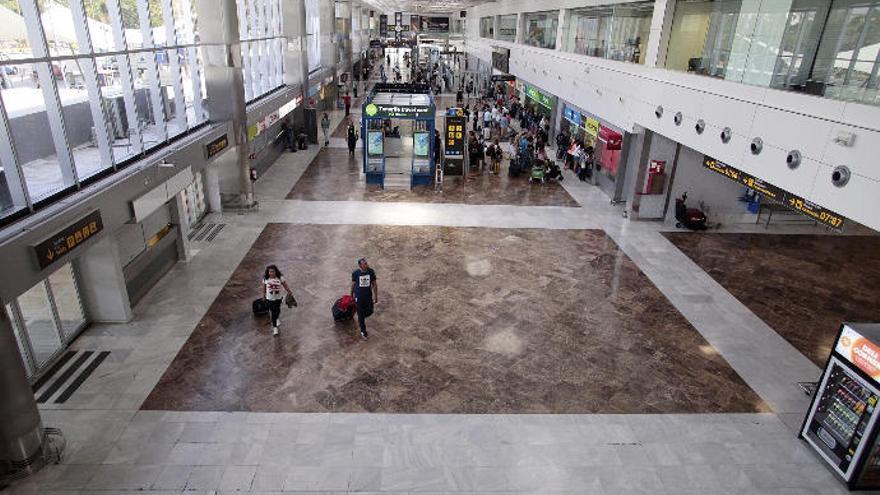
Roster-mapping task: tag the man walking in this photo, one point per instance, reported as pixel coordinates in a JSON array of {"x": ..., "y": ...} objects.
[
  {"x": 365, "y": 292},
  {"x": 325, "y": 128}
]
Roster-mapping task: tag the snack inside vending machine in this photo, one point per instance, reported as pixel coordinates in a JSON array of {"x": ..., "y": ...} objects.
[{"x": 841, "y": 425}]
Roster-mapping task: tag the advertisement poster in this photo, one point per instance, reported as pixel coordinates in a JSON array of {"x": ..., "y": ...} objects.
[
  {"x": 420, "y": 144},
  {"x": 859, "y": 351},
  {"x": 375, "y": 143},
  {"x": 435, "y": 25}
]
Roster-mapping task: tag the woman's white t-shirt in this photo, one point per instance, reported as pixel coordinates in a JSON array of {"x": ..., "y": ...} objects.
[{"x": 274, "y": 288}]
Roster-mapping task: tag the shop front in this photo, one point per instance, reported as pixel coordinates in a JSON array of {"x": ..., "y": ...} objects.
[
  {"x": 607, "y": 142},
  {"x": 539, "y": 101}
]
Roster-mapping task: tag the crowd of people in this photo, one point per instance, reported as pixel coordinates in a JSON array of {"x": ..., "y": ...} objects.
[{"x": 502, "y": 127}]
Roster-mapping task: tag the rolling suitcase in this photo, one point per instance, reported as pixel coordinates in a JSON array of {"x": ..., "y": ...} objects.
[
  {"x": 343, "y": 308},
  {"x": 260, "y": 307}
]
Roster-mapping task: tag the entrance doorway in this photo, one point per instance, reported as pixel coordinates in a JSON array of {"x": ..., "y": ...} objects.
[{"x": 47, "y": 318}]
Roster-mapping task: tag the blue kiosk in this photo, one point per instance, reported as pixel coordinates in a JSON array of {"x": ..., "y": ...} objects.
[{"x": 391, "y": 102}]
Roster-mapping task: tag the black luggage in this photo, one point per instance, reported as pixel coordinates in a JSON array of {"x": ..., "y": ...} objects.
[
  {"x": 343, "y": 308},
  {"x": 260, "y": 307}
]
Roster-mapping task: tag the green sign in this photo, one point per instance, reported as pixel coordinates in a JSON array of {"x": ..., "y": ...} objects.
[
  {"x": 541, "y": 98},
  {"x": 371, "y": 109}
]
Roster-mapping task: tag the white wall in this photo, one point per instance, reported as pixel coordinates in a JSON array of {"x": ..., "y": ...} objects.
[
  {"x": 628, "y": 94},
  {"x": 720, "y": 195}
]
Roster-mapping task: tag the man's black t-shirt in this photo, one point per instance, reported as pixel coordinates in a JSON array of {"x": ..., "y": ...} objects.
[{"x": 363, "y": 285}]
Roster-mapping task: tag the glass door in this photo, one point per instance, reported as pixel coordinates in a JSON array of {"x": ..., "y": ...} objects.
[
  {"x": 22, "y": 341},
  {"x": 65, "y": 296},
  {"x": 38, "y": 318}
]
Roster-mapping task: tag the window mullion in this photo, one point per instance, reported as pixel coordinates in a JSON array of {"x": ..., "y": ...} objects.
[
  {"x": 152, "y": 70},
  {"x": 134, "y": 130},
  {"x": 193, "y": 62},
  {"x": 174, "y": 64},
  {"x": 90, "y": 79}
]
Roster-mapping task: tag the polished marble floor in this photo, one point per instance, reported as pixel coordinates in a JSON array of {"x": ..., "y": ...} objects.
[
  {"x": 803, "y": 286},
  {"x": 469, "y": 321},
  {"x": 335, "y": 176},
  {"x": 114, "y": 446}
]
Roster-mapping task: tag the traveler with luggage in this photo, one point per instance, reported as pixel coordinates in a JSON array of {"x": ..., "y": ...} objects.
[
  {"x": 273, "y": 282},
  {"x": 365, "y": 291}
]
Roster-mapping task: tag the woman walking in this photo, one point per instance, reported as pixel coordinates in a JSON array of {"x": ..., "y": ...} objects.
[{"x": 273, "y": 282}]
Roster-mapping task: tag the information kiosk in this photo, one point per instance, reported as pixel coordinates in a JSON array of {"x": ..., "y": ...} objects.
[{"x": 385, "y": 111}]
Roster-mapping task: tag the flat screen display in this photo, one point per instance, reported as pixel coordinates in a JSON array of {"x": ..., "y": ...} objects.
[
  {"x": 420, "y": 144},
  {"x": 375, "y": 143}
]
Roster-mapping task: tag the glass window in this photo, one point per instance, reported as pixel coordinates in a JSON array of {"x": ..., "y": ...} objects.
[
  {"x": 618, "y": 32},
  {"x": 507, "y": 27},
  {"x": 262, "y": 45},
  {"x": 67, "y": 303},
  {"x": 313, "y": 34},
  {"x": 487, "y": 27},
  {"x": 39, "y": 322},
  {"x": 29, "y": 119},
  {"x": 540, "y": 29}
]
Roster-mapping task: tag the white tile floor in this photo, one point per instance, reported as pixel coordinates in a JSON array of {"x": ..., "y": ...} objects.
[{"x": 114, "y": 448}]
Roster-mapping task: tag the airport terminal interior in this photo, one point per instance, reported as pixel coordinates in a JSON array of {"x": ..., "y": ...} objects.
[{"x": 448, "y": 247}]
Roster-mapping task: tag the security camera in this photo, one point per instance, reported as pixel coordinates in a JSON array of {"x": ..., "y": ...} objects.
[
  {"x": 793, "y": 160},
  {"x": 659, "y": 111},
  {"x": 726, "y": 134},
  {"x": 840, "y": 176},
  {"x": 700, "y": 126},
  {"x": 678, "y": 118},
  {"x": 756, "y": 146}
]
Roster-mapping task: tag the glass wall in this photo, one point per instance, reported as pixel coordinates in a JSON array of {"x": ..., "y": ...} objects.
[
  {"x": 88, "y": 86},
  {"x": 313, "y": 34},
  {"x": 540, "y": 29},
  {"x": 487, "y": 27},
  {"x": 822, "y": 47},
  {"x": 507, "y": 28},
  {"x": 261, "y": 48},
  {"x": 616, "y": 32}
]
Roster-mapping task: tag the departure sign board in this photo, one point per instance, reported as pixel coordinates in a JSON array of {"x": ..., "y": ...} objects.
[
  {"x": 769, "y": 191},
  {"x": 456, "y": 133},
  {"x": 216, "y": 146},
  {"x": 68, "y": 239}
]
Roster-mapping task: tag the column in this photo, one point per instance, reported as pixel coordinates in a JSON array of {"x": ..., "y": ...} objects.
[
  {"x": 520, "y": 27},
  {"x": 658, "y": 39},
  {"x": 102, "y": 283},
  {"x": 496, "y": 23},
  {"x": 224, "y": 84},
  {"x": 562, "y": 28},
  {"x": 21, "y": 430},
  {"x": 181, "y": 220}
]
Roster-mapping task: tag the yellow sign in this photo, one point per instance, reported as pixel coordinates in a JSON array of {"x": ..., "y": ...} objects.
[
  {"x": 253, "y": 131},
  {"x": 591, "y": 125}
]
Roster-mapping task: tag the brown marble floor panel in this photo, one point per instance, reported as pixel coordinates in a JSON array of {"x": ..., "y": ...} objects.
[
  {"x": 803, "y": 286},
  {"x": 335, "y": 176},
  {"x": 470, "y": 320}
]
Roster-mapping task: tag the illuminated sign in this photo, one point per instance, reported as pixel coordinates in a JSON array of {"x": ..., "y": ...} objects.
[
  {"x": 769, "y": 191},
  {"x": 65, "y": 241},
  {"x": 539, "y": 97},
  {"x": 288, "y": 107},
  {"x": 398, "y": 111},
  {"x": 591, "y": 126},
  {"x": 216, "y": 146},
  {"x": 456, "y": 128},
  {"x": 859, "y": 351},
  {"x": 571, "y": 115}
]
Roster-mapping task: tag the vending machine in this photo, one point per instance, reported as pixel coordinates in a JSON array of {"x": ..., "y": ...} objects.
[{"x": 841, "y": 425}]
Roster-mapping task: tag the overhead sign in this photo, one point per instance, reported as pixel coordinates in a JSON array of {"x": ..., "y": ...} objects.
[
  {"x": 68, "y": 239},
  {"x": 213, "y": 148},
  {"x": 779, "y": 195},
  {"x": 571, "y": 115},
  {"x": 398, "y": 111},
  {"x": 591, "y": 126},
  {"x": 539, "y": 97},
  {"x": 383, "y": 25},
  {"x": 502, "y": 78},
  {"x": 456, "y": 133}
]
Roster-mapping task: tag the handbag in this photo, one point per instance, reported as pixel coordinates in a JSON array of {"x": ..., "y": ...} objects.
[{"x": 290, "y": 301}]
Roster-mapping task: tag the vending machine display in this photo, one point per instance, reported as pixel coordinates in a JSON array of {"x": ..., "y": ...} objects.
[{"x": 841, "y": 422}]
